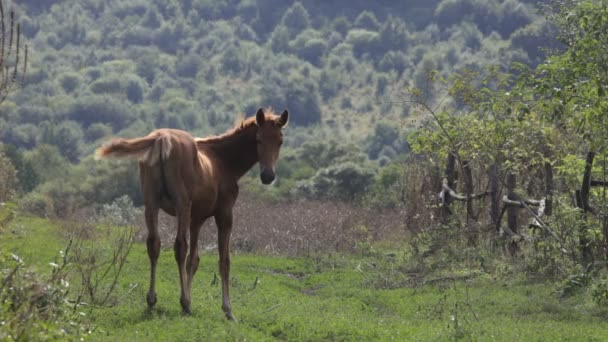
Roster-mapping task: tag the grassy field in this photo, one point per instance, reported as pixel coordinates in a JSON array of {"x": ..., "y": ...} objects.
[{"x": 322, "y": 297}]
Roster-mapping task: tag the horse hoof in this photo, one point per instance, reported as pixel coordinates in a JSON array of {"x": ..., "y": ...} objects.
[
  {"x": 151, "y": 299},
  {"x": 230, "y": 317},
  {"x": 186, "y": 308}
]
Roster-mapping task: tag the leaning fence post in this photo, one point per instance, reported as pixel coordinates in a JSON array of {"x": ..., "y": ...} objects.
[
  {"x": 512, "y": 210},
  {"x": 582, "y": 202},
  {"x": 446, "y": 198},
  {"x": 548, "y": 189},
  {"x": 494, "y": 197}
]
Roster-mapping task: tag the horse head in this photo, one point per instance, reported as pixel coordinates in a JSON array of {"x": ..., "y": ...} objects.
[{"x": 269, "y": 139}]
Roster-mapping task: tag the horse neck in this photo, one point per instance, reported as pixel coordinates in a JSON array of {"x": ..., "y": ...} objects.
[{"x": 238, "y": 151}]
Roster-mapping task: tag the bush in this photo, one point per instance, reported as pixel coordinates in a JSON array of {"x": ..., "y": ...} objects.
[
  {"x": 296, "y": 19},
  {"x": 135, "y": 91},
  {"x": 394, "y": 60},
  {"x": 313, "y": 50},
  {"x": 363, "y": 42},
  {"x": 345, "y": 181},
  {"x": 232, "y": 60},
  {"x": 36, "y": 308},
  {"x": 188, "y": 65},
  {"x": 66, "y": 135},
  {"x": 8, "y": 177},
  {"x": 37, "y": 204},
  {"x": 105, "y": 109},
  {"x": 97, "y": 131},
  {"x": 69, "y": 81},
  {"x": 106, "y": 85},
  {"x": 367, "y": 21}
]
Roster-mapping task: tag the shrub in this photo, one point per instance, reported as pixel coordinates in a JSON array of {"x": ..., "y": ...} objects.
[
  {"x": 70, "y": 81},
  {"x": 367, "y": 21},
  {"x": 97, "y": 131},
  {"x": 106, "y": 85},
  {"x": 345, "y": 181},
  {"x": 188, "y": 65},
  {"x": 36, "y": 308},
  {"x": 37, "y": 204},
  {"x": 8, "y": 177},
  {"x": 394, "y": 60},
  {"x": 296, "y": 19},
  {"x": 363, "y": 42},
  {"x": 134, "y": 91},
  {"x": 105, "y": 109},
  {"x": 66, "y": 135}
]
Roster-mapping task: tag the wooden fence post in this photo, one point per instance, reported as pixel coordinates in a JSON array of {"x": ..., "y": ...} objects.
[
  {"x": 449, "y": 177},
  {"x": 512, "y": 210},
  {"x": 548, "y": 189},
  {"x": 582, "y": 201},
  {"x": 494, "y": 197}
]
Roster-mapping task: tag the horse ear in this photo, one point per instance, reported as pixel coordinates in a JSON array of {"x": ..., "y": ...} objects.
[
  {"x": 284, "y": 118},
  {"x": 259, "y": 117}
]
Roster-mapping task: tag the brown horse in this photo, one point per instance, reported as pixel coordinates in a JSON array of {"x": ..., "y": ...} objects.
[{"x": 194, "y": 179}]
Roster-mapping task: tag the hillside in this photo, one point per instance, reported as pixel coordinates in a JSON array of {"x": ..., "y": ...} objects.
[{"x": 121, "y": 68}]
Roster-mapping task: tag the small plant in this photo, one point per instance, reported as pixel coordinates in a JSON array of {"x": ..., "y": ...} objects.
[
  {"x": 599, "y": 292},
  {"x": 33, "y": 307},
  {"x": 100, "y": 261}
]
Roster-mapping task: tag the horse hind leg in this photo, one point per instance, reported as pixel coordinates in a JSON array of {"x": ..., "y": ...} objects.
[
  {"x": 224, "y": 228},
  {"x": 181, "y": 252},
  {"x": 153, "y": 245},
  {"x": 193, "y": 257}
]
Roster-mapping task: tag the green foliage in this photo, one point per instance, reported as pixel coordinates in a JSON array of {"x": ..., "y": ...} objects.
[
  {"x": 35, "y": 307},
  {"x": 191, "y": 64},
  {"x": 70, "y": 81},
  {"x": 188, "y": 65},
  {"x": 367, "y": 20},
  {"x": 67, "y": 136},
  {"x": 97, "y": 131},
  {"x": 345, "y": 181},
  {"x": 296, "y": 19},
  {"x": 134, "y": 91},
  {"x": 363, "y": 41},
  {"x": 8, "y": 177},
  {"x": 104, "y": 85},
  {"x": 105, "y": 109},
  {"x": 47, "y": 162}
]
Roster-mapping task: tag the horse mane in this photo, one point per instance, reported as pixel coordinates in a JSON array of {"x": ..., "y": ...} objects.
[{"x": 244, "y": 125}]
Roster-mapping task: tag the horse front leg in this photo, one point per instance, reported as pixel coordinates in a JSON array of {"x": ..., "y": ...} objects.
[
  {"x": 181, "y": 252},
  {"x": 224, "y": 228}
]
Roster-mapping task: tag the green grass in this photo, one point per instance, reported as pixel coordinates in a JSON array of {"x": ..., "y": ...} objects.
[{"x": 329, "y": 297}]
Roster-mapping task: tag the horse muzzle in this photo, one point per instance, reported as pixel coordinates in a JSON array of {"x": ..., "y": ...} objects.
[{"x": 267, "y": 176}]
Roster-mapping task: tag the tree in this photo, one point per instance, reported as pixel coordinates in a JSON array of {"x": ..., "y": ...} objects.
[
  {"x": 367, "y": 21},
  {"x": 67, "y": 136},
  {"x": 8, "y": 177},
  {"x": 134, "y": 91},
  {"x": 296, "y": 19}
]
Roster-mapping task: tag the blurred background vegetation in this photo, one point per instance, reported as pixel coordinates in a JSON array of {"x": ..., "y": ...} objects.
[{"x": 99, "y": 69}]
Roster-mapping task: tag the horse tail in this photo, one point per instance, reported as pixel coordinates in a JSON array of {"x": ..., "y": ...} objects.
[{"x": 147, "y": 149}]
